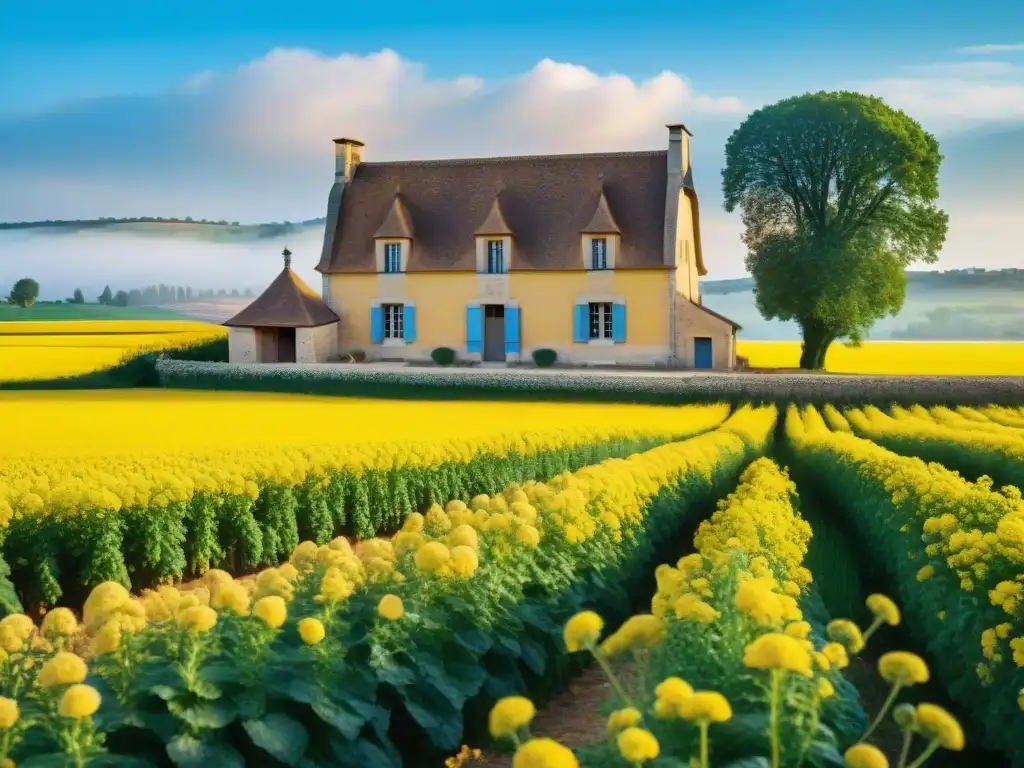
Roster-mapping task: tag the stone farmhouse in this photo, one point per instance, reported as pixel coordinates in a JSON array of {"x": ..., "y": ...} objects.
[{"x": 595, "y": 256}]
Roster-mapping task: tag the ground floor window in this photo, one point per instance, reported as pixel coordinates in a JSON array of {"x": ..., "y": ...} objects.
[
  {"x": 600, "y": 320},
  {"x": 394, "y": 319}
]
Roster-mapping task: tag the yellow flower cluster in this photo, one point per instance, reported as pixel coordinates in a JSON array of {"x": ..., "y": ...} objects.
[
  {"x": 252, "y": 439},
  {"x": 969, "y": 531}
]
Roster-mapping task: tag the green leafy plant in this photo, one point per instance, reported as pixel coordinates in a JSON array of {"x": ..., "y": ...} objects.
[
  {"x": 544, "y": 358},
  {"x": 443, "y": 355}
]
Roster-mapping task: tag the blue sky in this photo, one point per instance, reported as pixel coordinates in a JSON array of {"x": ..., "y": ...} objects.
[{"x": 226, "y": 109}]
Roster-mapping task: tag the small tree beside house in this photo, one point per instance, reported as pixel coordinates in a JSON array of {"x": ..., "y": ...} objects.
[{"x": 24, "y": 293}]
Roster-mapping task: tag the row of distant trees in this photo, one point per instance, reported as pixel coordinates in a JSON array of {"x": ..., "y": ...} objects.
[
  {"x": 160, "y": 294},
  {"x": 25, "y": 292}
]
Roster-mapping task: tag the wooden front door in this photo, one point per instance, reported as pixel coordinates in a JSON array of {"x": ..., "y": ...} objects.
[{"x": 494, "y": 333}]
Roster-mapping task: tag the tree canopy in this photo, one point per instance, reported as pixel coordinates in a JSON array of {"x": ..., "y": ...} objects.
[
  {"x": 837, "y": 193},
  {"x": 25, "y": 292}
]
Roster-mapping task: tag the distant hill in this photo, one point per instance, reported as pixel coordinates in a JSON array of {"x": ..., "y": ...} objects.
[
  {"x": 217, "y": 231},
  {"x": 951, "y": 279}
]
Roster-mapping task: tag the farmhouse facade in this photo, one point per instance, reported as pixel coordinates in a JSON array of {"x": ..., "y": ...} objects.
[{"x": 594, "y": 256}]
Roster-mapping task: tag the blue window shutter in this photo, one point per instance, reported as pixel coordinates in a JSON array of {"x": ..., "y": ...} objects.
[
  {"x": 511, "y": 330},
  {"x": 377, "y": 324},
  {"x": 618, "y": 323},
  {"x": 581, "y": 326},
  {"x": 474, "y": 329},
  {"x": 409, "y": 322}
]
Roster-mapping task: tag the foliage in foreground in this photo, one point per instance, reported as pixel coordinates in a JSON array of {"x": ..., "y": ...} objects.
[
  {"x": 954, "y": 551},
  {"x": 72, "y": 523},
  {"x": 339, "y": 656}
]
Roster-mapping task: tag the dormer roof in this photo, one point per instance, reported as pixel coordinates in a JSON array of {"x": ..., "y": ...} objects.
[
  {"x": 495, "y": 223},
  {"x": 602, "y": 222},
  {"x": 396, "y": 223}
]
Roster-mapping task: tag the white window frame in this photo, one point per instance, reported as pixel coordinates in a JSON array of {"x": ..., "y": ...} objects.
[
  {"x": 600, "y": 322},
  {"x": 392, "y": 257},
  {"x": 393, "y": 319},
  {"x": 496, "y": 257},
  {"x": 599, "y": 253}
]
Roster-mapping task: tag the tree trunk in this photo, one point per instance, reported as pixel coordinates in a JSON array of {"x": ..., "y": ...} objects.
[{"x": 816, "y": 343}]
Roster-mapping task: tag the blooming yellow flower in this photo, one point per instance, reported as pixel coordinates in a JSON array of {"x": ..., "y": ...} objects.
[
  {"x": 798, "y": 629},
  {"x": 79, "y": 701},
  {"x": 825, "y": 688},
  {"x": 933, "y": 722},
  {"x": 15, "y": 630},
  {"x": 582, "y": 631},
  {"x": 706, "y": 705},
  {"x": 60, "y": 622},
  {"x": 755, "y": 598},
  {"x": 637, "y": 745},
  {"x": 334, "y": 586},
  {"x": 528, "y": 535},
  {"x": 836, "y": 655},
  {"x": 391, "y": 607},
  {"x": 272, "y": 610},
  {"x": 464, "y": 536},
  {"x": 509, "y": 715},
  {"x": 846, "y": 633},
  {"x": 197, "y": 619},
  {"x": 778, "y": 651},
  {"x": 640, "y": 631},
  {"x": 432, "y": 556},
  {"x": 62, "y": 668},
  {"x": 689, "y": 607},
  {"x": 883, "y": 608},
  {"x": 108, "y": 639},
  {"x": 464, "y": 560},
  {"x": 902, "y": 668},
  {"x": 311, "y": 630},
  {"x": 864, "y": 756},
  {"x": 544, "y": 753},
  {"x": 230, "y": 596},
  {"x": 8, "y": 712},
  {"x": 621, "y": 719},
  {"x": 105, "y": 598},
  {"x": 670, "y": 696}
]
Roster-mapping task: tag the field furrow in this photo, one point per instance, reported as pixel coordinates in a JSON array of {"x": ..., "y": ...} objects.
[{"x": 954, "y": 551}]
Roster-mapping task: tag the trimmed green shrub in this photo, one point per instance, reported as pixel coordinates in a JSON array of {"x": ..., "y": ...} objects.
[
  {"x": 544, "y": 358},
  {"x": 443, "y": 355}
]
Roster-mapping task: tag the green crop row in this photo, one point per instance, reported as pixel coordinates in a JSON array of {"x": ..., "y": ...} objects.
[
  {"x": 954, "y": 551},
  {"x": 415, "y": 636}
]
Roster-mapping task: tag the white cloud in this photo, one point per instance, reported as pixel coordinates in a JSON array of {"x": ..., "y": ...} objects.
[
  {"x": 236, "y": 143},
  {"x": 992, "y": 48},
  {"x": 953, "y": 103},
  {"x": 968, "y": 69}
]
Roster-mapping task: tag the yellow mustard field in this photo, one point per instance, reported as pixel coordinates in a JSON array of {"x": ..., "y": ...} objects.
[
  {"x": 897, "y": 357},
  {"x": 54, "y": 349},
  {"x": 121, "y": 448}
]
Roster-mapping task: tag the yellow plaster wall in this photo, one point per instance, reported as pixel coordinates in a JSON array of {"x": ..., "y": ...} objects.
[
  {"x": 440, "y": 300},
  {"x": 647, "y": 305},
  {"x": 686, "y": 251},
  {"x": 350, "y": 299},
  {"x": 546, "y": 302}
]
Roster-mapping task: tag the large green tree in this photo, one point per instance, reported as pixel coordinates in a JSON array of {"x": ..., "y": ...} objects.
[
  {"x": 25, "y": 292},
  {"x": 837, "y": 193}
]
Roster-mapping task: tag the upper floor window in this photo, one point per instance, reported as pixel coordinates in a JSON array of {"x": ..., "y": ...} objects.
[
  {"x": 496, "y": 256},
  {"x": 599, "y": 253},
  {"x": 394, "y": 320},
  {"x": 393, "y": 258},
  {"x": 600, "y": 320}
]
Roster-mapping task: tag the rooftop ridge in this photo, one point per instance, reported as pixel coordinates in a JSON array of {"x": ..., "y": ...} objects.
[{"x": 509, "y": 158}]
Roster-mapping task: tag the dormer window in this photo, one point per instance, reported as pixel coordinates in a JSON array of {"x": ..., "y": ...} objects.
[
  {"x": 599, "y": 253},
  {"x": 496, "y": 257},
  {"x": 392, "y": 257}
]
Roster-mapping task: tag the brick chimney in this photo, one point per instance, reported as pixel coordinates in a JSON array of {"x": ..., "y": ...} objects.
[{"x": 347, "y": 154}]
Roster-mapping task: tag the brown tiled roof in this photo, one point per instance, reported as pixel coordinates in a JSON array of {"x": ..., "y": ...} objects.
[
  {"x": 287, "y": 303},
  {"x": 495, "y": 223},
  {"x": 396, "y": 223},
  {"x": 547, "y": 201},
  {"x": 602, "y": 222}
]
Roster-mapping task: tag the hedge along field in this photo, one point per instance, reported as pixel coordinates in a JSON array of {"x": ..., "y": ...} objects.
[
  {"x": 954, "y": 551},
  {"x": 236, "y": 480},
  {"x": 365, "y": 656}
]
